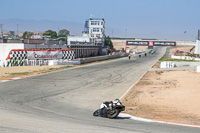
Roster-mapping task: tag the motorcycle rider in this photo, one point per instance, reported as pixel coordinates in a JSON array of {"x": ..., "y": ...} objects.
[{"x": 108, "y": 105}]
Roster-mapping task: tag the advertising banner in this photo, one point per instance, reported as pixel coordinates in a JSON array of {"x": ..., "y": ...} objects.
[
  {"x": 164, "y": 43},
  {"x": 142, "y": 43},
  {"x": 150, "y": 43},
  {"x": 32, "y": 55}
]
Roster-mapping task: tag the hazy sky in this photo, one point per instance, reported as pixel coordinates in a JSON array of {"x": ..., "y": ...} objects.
[{"x": 161, "y": 19}]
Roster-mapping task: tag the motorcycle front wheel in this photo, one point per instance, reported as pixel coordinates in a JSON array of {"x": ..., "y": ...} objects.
[
  {"x": 96, "y": 113},
  {"x": 113, "y": 114}
]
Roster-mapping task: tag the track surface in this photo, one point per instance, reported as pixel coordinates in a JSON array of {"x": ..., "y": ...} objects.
[{"x": 64, "y": 101}]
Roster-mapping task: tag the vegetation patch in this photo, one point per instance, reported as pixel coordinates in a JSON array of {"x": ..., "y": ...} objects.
[
  {"x": 130, "y": 109},
  {"x": 112, "y": 59},
  {"x": 159, "y": 72},
  {"x": 20, "y": 73},
  {"x": 167, "y": 59},
  {"x": 59, "y": 68},
  {"x": 144, "y": 83}
]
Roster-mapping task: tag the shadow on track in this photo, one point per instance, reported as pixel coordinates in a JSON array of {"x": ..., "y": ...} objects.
[{"x": 123, "y": 118}]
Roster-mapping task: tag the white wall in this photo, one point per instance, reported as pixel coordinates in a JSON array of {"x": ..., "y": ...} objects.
[
  {"x": 5, "y": 48},
  {"x": 190, "y": 43},
  {"x": 197, "y": 47}
]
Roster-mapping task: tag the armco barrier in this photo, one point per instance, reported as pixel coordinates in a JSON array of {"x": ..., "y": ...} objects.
[{"x": 64, "y": 62}]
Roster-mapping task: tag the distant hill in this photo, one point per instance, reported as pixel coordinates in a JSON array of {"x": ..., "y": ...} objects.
[{"x": 41, "y": 25}]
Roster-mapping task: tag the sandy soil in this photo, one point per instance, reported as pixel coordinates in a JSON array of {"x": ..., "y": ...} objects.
[
  {"x": 157, "y": 65},
  {"x": 17, "y": 71},
  {"x": 172, "y": 96}
]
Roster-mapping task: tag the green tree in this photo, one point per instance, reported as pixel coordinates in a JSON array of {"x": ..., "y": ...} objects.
[
  {"x": 27, "y": 34},
  {"x": 12, "y": 33},
  {"x": 108, "y": 42},
  {"x": 63, "y": 33},
  {"x": 51, "y": 33}
]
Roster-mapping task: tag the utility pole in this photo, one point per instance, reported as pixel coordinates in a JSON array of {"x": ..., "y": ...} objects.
[
  {"x": 126, "y": 32},
  {"x": 1, "y": 25},
  {"x": 112, "y": 32},
  {"x": 17, "y": 31},
  {"x": 184, "y": 40},
  {"x": 125, "y": 39},
  {"x": 58, "y": 29}
]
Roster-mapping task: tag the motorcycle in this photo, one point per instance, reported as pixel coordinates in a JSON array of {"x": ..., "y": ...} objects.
[{"x": 111, "y": 112}]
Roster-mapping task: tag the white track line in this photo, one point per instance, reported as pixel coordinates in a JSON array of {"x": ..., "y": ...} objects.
[
  {"x": 16, "y": 78},
  {"x": 1, "y": 81},
  {"x": 155, "y": 121},
  {"x": 4, "y": 81}
]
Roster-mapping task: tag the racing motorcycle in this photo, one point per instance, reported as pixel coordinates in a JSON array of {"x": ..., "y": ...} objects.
[{"x": 111, "y": 112}]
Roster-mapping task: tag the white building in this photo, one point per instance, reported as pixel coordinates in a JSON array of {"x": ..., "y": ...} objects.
[
  {"x": 5, "y": 48},
  {"x": 37, "y": 35},
  {"x": 95, "y": 29},
  {"x": 74, "y": 40}
]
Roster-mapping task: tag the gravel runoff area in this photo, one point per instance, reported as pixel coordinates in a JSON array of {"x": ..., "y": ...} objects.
[
  {"x": 26, "y": 71},
  {"x": 165, "y": 95},
  {"x": 171, "y": 96}
]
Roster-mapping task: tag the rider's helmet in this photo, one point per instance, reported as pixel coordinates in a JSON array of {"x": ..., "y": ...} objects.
[{"x": 116, "y": 101}]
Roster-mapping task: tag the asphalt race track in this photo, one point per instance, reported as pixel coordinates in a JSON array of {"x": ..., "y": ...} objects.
[{"x": 64, "y": 101}]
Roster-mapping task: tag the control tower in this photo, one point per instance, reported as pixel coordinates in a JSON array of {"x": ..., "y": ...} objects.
[{"x": 94, "y": 28}]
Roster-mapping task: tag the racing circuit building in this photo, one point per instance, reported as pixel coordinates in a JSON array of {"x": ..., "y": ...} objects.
[{"x": 18, "y": 51}]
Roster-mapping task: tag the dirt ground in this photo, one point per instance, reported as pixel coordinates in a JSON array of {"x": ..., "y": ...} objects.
[
  {"x": 157, "y": 65},
  {"x": 172, "y": 96},
  {"x": 25, "y": 71}
]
